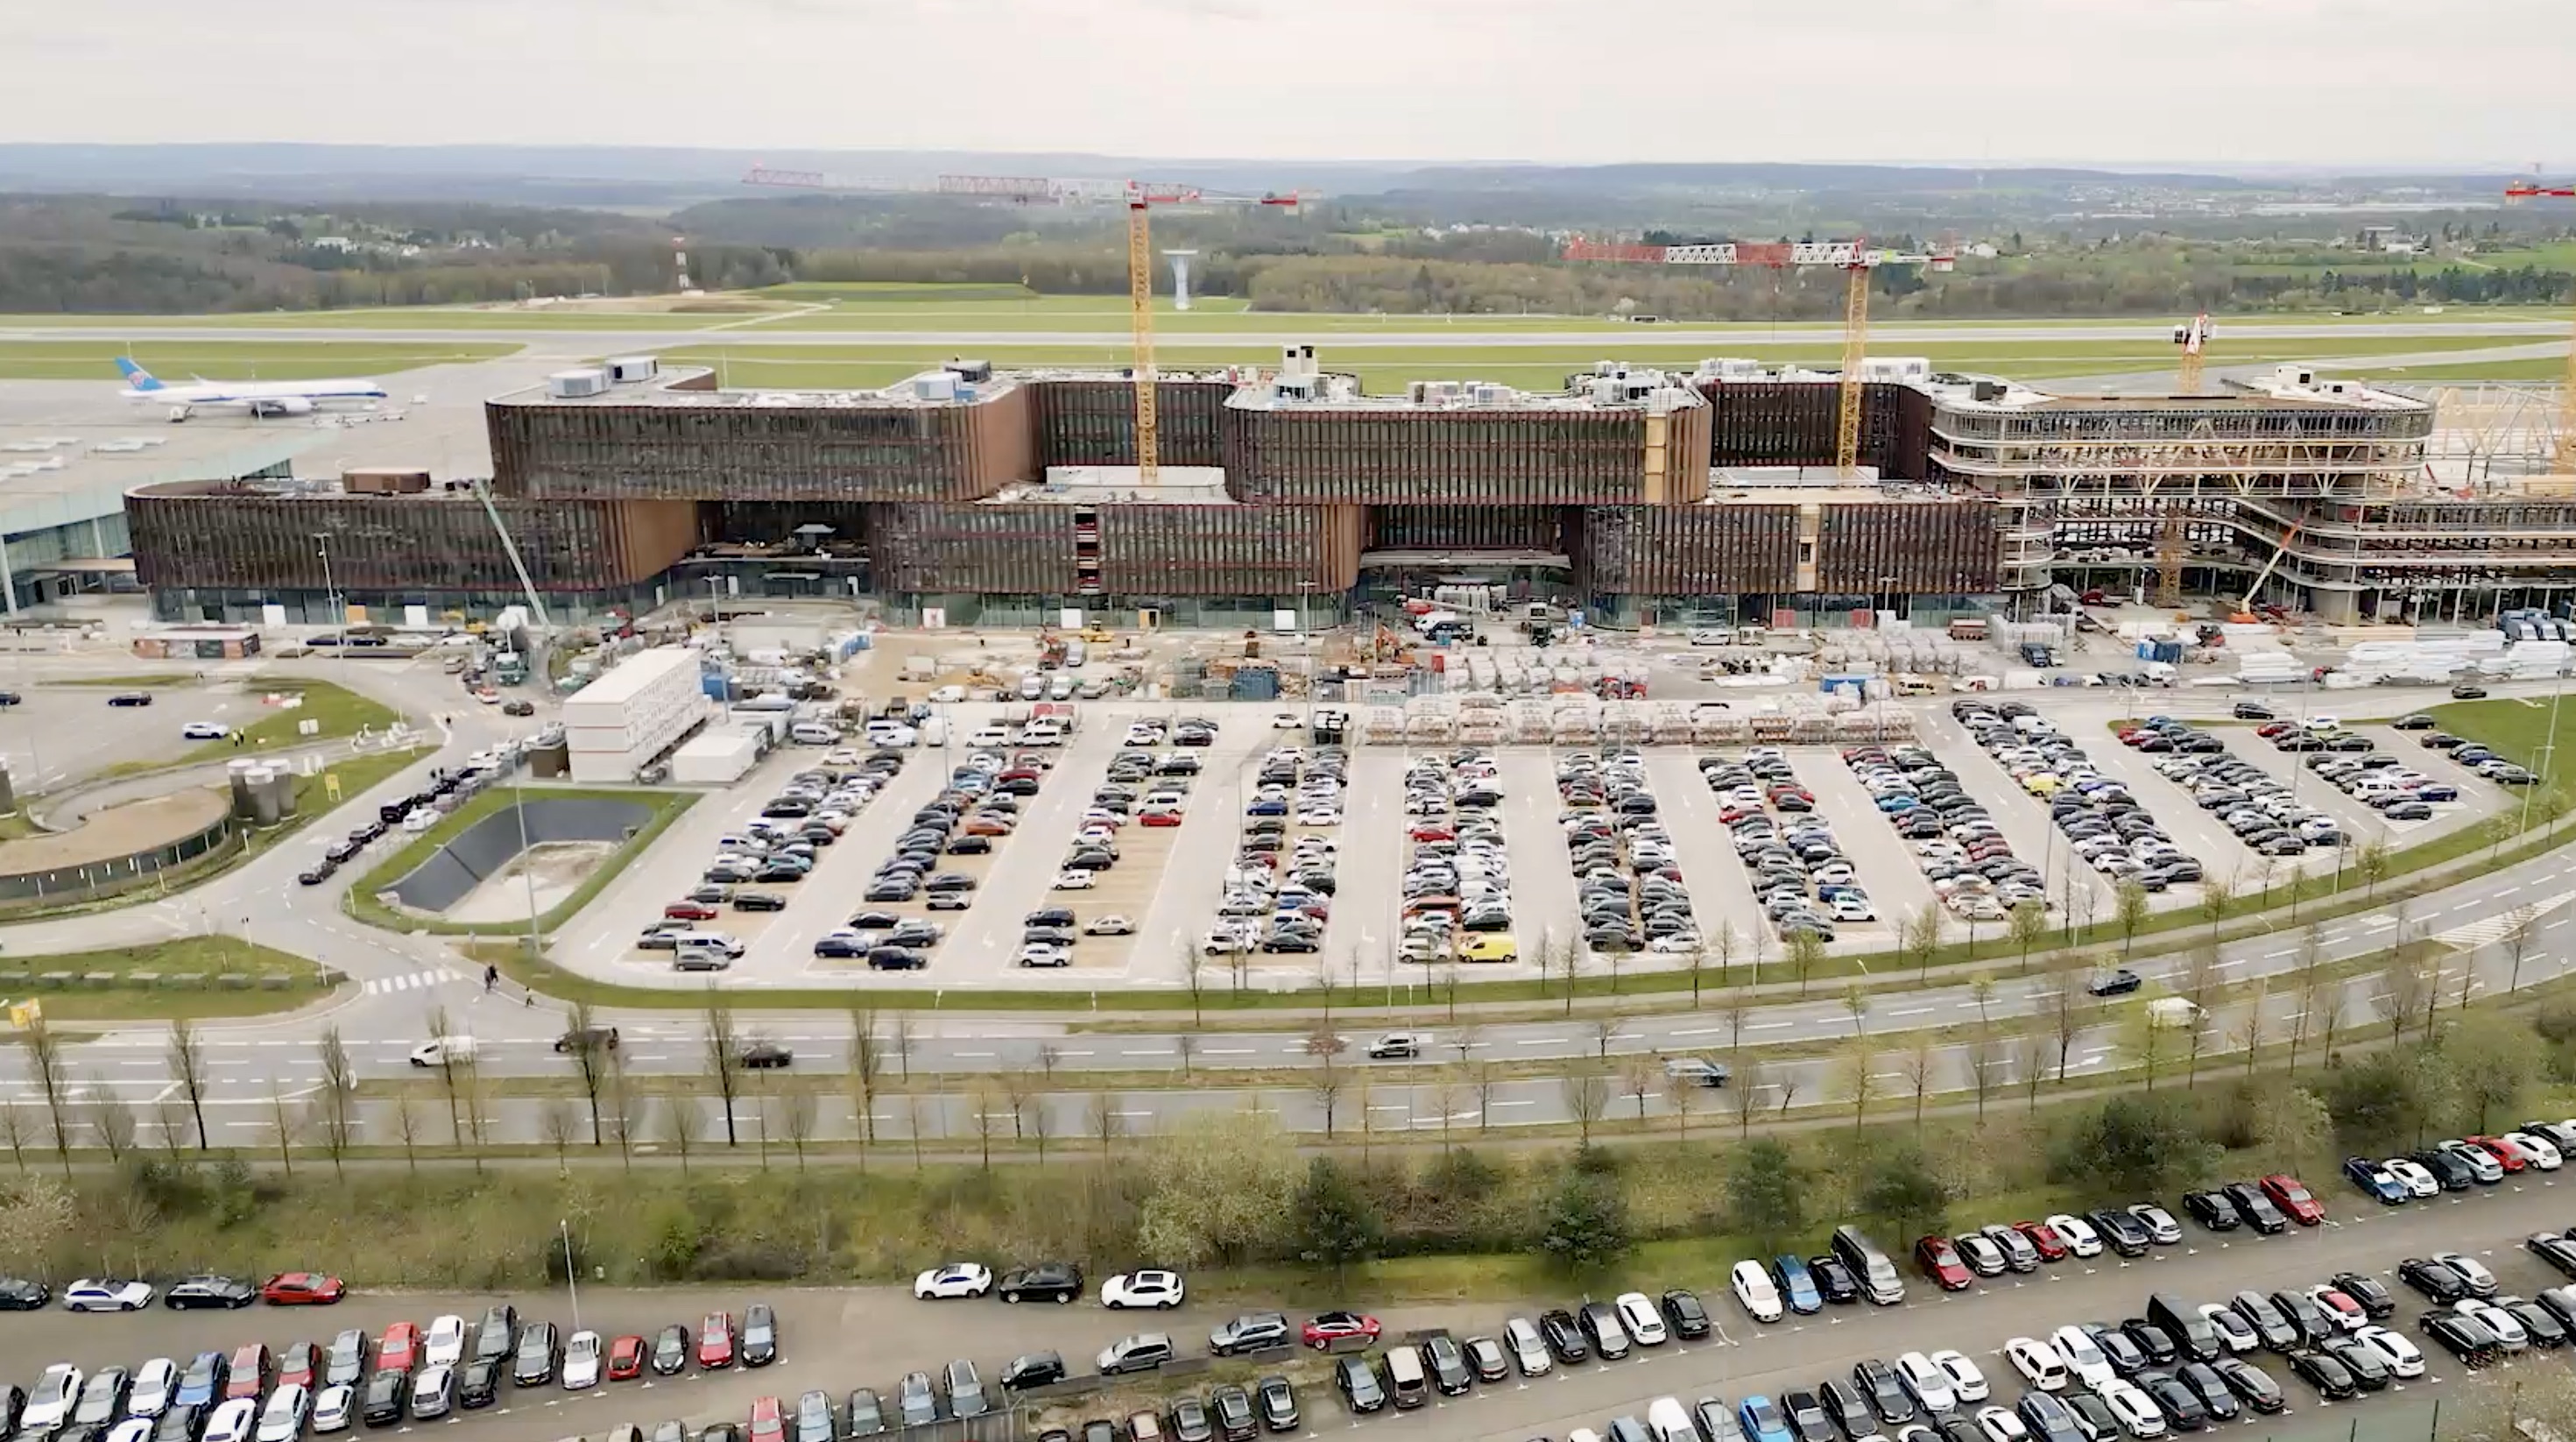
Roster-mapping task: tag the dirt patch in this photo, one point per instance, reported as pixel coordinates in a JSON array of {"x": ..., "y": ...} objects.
[{"x": 556, "y": 868}]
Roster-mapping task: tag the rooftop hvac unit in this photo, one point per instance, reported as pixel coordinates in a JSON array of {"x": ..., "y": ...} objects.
[
  {"x": 938, "y": 386},
  {"x": 1489, "y": 395},
  {"x": 572, "y": 385},
  {"x": 1605, "y": 367},
  {"x": 629, "y": 369},
  {"x": 1297, "y": 387},
  {"x": 1986, "y": 390},
  {"x": 973, "y": 371},
  {"x": 1415, "y": 391},
  {"x": 1605, "y": 391}
]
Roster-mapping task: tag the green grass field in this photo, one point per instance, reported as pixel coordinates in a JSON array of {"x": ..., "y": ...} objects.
[
  {"x": 390, "y": 318},
  {"x": 2525, "y": 370},
  {"x": 231, "y": 359},
  {"x": 1532, "y": 367},
  {"x": 336, "y": 710}
]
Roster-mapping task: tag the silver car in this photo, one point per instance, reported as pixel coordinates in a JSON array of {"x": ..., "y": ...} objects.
[
  {"x": 966, "y": 1390},
  {"x": 917, "y": 1401},
  {"x": 1529, "y": 1351}
]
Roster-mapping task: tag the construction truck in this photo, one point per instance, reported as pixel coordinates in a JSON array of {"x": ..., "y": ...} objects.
[
  {"x": 1097, "y": 634},
  {"x": 510, "y": 668}
]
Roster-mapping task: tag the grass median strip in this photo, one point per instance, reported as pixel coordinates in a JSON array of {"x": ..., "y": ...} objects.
[{"x": 198, "y": 976}]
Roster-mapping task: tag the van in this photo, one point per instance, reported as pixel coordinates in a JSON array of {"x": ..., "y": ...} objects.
[
  {"x": 443, "y": 1051},
  {"x": 1410, "y": 1385},
  {"x": 2189, "y": 1329},
  {"x": 1877, "y": 1275},
  {"x": 813, "y": 733},
  {"x": 1668, "y": 1421},
  {"x": 934, "y": 731},
  {"x": 715, "y": 941},
  {"x": 1074, "y": 654}
]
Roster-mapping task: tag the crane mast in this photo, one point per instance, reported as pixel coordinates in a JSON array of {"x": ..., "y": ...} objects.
[{"x": 1140, "y": 315}]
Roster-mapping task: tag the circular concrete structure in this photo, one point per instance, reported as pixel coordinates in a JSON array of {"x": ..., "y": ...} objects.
[{"x": 117, "y": 847}]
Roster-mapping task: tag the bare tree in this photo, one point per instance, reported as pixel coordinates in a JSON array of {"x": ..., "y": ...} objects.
[
  {"x": 1920, "y": 934},
  {"x": 1728, "y": 943},
  {"x": 1605, "y": 1030},
  {"x": 981, "y": 1100},
  {"x": 1981, "y": 991},
  {"x": 1921, "y": 1068},
  {"x": 1326, "y": 1089},
  {"x": 1587, "y": 1098},
  {"x": 407, "y": 1126},
  {"x": 187, "y": 1058},
  {"x": 1050, "y": 1056},
  {"x": 2325, "y": 1003},
  {"x": 1791, "y": 1079},
  {"x": 287, "y": 1124},
  {"x": 111, "y": 1118},
  {"x": 797, "y": 1115},
  {"x": 45, "y": 1065},
  {"x": 1104, "y": 1120},
  {"x": 899, "y": 1039},
  {"x": 2200, "y": 978},
  {"x": 724, "y": 1057},
  {"x": 2129, "y": 899},
  {"x": 867, "y": 1065},
  {"x": 2251, "y": 1028},
  {"x": 626, "y": 1107},
  {"x": 1193, "y": 971},
  {"x": 1041, "y": 1123},
  {"x": 1733, "y": 1013},
  {"x": 1860, "y": 1073},
  {"x": 1856, "y": 1006},
  {"x": 1322, "y": 1041},
  {"x": 1697, "y": 960},
  {"x": 339, "y": 1096},
  {"x": 683, "y": 1123},
  {"x": 170, "y": 1114},
  {"x": 1017, "y": 1086},
  {"x": 2518, "y": 942},
  {"x": 1638, "y": 1079},
  {"x": 1746, "y": 1095},
  {"x": 1187, "y": 1044},
  {"x": 2408, "y": 994},
  {"x": 584, "y": 1043},
  {"x": 2373, "y": 862},
  {"x": 560, "y": 1125},
  {"x": 2028, "y": 925},
  {"x": 1987, "y": 1058},
  {"x": 1806, "y": 953},
  {"x": 2030, "y": 1058},
  {"x": 1681, "y": 1089},
  {"x": 2217, "y": 894},
  {"x": 1484, "y": 1080},
  {"x": 1467, "y": 1039},
  {"x": 447, "y": 1078},
  {"x": 2069, "y": 1011}
]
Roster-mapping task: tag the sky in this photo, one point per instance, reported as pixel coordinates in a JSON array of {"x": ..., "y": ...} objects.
[{"x": 2455, "y": 84}]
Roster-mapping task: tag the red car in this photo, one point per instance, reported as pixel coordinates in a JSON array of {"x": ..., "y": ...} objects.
[
  {"x": 1159, "y": 818},
  {"x": 2291, "y": 1197},
  {"x": 2044, "y": 1239},
  {"x": 399, "y": 1347},
  {"x": 1940, "y": 1261},
  {"x": 1327, "y": 1328},
  {"x": 690, "y": 911},
  {"x": 715, "y": 1340},
  {"x": 1428, "y": 831},
  {"x": 295, "y": 1364},
  {"x": 2506, "y": 1157},
  {"x": 301, "y": 1289},
  {"x": 248, "y": 1375},
  {"x": 625, "y": 1358},
  {"x": 766, "y": 1425}
]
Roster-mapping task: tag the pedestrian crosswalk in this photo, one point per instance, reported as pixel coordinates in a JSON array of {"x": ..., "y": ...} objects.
[{"x": 411, "y": 980}]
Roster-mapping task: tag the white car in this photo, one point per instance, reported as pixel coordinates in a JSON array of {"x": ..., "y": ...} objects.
[
  {"x": 2508, "y": 1329},
  {"x": 107, "y": 1294},
  {"x": 49, "y": 1402},
  {"x": 1927, "y": 1383},
  {"x": 444, "y": 1346},
  {"x": 334, "y": 1407},
  {"x": 1075, "y": 880},
  {"x": 2536, "y": 1151},
  {"x": 2404, "y": 1359},
  {"x": 1285, "y": 721},
  {"x": 1709, "y": 638},
  {"x": 154, "y": 1381},
  {"x": 581, "y": 1362},
  {"x": 132, "y": 1429},
  {"x": 2082, "y": 1358},
  {"x": 2135, "y": 1409},
  {"x": 283, "y": 1419},
  {"x": 1637, "y": 1313},
  {"x": 1967, "y": 1383},
  {"x": 1109, "y": 926},
  {"x": 232, "y": 1422},
  {"x": 1149, "y": 1287},
  {"x": 2038, "y": 1364},
  {"x": 2414, "y": 1176},
  {"x": 2000, "y": 1425},
  {"x": 203, "y": 731},
  {"x": 2234, "y": 1333},
  {"x": 1319, "y": 816},
  {"x": 1755, "y": 1291},
  {"x": 2077, "y": 1233},
  {"x": 957, "y": 1279}
]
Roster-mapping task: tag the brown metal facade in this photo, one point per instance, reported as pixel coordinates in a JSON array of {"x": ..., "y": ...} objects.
[
  {"x": 579, "y": 450},
  {"x": 1084, "y": 422},
  {"x": 1015, "y": 550},
  {"x": 217, "y": 536},
  {"x": 1297, "y": 456},
  {"x": 1868, "y": 548},
  {"x": 1792, "y": 423},
  {"x": 1468, "y": 528},
  {"x": 1688, "y": 550}
]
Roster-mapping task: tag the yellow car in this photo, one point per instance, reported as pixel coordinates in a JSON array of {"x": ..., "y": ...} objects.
[
  {"x": 2041, "y": 784},
  {"x": 1489, "y": 946}
]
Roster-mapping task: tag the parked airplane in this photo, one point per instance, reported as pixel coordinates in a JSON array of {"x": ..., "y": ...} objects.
[{"x": 259, "y": 398}]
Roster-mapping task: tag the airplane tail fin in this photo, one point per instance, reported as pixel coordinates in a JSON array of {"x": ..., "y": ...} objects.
[{"x": 136, "y": 376}]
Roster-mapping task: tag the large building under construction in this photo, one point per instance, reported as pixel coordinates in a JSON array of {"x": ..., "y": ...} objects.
[{"x": 970, "y": 495}]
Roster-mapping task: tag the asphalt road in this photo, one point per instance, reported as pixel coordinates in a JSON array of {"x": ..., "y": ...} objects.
[{"x": 870, "y": 1336}]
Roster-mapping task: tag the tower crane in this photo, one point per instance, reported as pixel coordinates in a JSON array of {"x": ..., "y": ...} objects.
[
  {"x": 2529, "y": 190},
  {"x": 1853, "y": 257},
  {"x": 2193, "y": 336},
  {"x": 1136, "y": 195}
]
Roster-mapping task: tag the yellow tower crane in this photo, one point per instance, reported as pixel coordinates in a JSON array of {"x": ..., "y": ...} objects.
[{"x": 2193, "y": 336}]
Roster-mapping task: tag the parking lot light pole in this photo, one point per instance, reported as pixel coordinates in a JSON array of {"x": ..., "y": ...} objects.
[
  {"x": 572, "y": 1284},
  {"x": 330, "y": 597}
]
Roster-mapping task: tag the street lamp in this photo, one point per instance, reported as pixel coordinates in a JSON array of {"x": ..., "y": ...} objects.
[
  {"x": 330, "y": 597},
  {"x": 571, "y": 1284}
]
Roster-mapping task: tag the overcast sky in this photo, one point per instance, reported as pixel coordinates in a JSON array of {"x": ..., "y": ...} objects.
[{"x": 2456, "y": 83}]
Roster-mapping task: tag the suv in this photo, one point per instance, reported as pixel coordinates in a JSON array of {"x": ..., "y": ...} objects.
[
  {"x": 1251, "y": 1332},
  {"x": 1142, "y": 1352}
]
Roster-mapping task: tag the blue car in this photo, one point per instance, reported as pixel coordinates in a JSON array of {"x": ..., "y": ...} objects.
[
  {"x": 2437, "y": 792},
  {"x": 198, "y": 1384},
  {"x": 1897, "y": 803},
  {"x": 1762, "y": 1421},
  {"x": 1797, "y": 1285},
  {"x": 1266, "y": 808},
  {"x": 2374, "y": 1180}
]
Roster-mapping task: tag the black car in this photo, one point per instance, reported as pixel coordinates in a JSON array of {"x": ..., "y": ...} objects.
[
  {"x": 499, "y": 1334},
  {"x": 1447, "y": 1363},
  {"x": 1358, "y": 1383},
  {"x": 2375, "y": 1302},
  {"x": 1230, "y": 1407},
  {"x": 317, "y": 873},
  {"x": 1886, "y": 1396},
  {"x": 2324, "y": 1373},
  {"x": 759, "y": 1346},
  {"x": 1807, "y": 1418},
  {"x": 2255, "y": 1208},
  {"x": 387, "y": 1392},
  {"x": 2215, "y": 1398},
  {"x": 209, "y": 1291},
  {"x": 539, "y": 1350},
  {"x": 130, "y": 698},
  {"x": 759, "y": 901},
  {"x": 2251, "y": 1384},
  {"x": 1601, "y": 1329},
  {"x": 767, "y": 1056},
  {"x": 479, "y": 1385},
  {"x": 2093, "y": 1416},
  {"x": 2120, "y": 981},
  {"x": 2368, "y": 1372},
  {"x": 2127, "y": 1235},
  {"x": 671, "y": 1351},
  {"x": 1689, "y": 1319},
  {"x": 2175, "y": 1398},
  {"x": 187, "y": 1424},
  {"x": 1035, "y": 1369},
  {"x": 2211, "y": 1210},
  {"x": 2158, "y": 1344},
  {"x": 1843, "y": 1402},
  {"x": 2432, "y": 1278},
  {"x": 2450, "y": 1171},
  {"x": 2278, "y": 1332},
  {"x": 1045, "y": 1282},
  {"x": 1834, "y": 1281},
  {"x": 1556, "y": 1328},
  {"x": 2117, "y": 1349},
  {"x": 1278, "y": 1403},
  {"x": 17, "y": 1294},
  {"x": 2462, "y": 1337}
]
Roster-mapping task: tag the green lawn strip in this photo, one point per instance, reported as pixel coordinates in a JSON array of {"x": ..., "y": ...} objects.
[
  {"x": 139, "y": 681},
  {"x": 133, "y": 982},
  {"x": 338, "y": 711},
  {"x": 178, "y": 361},
  {"x": 360, "y": 899},
  {"x": 2521, "y": 370}
]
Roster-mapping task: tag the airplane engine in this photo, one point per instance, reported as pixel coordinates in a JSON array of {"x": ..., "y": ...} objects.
[
  {"x": 178, "y": 414},
  {"x": 282, "y": 406}
]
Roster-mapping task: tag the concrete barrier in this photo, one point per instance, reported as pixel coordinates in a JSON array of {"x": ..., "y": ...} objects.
[
  {"x": 187, "y": 981},
  {"x": 98, "y": 980}
]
